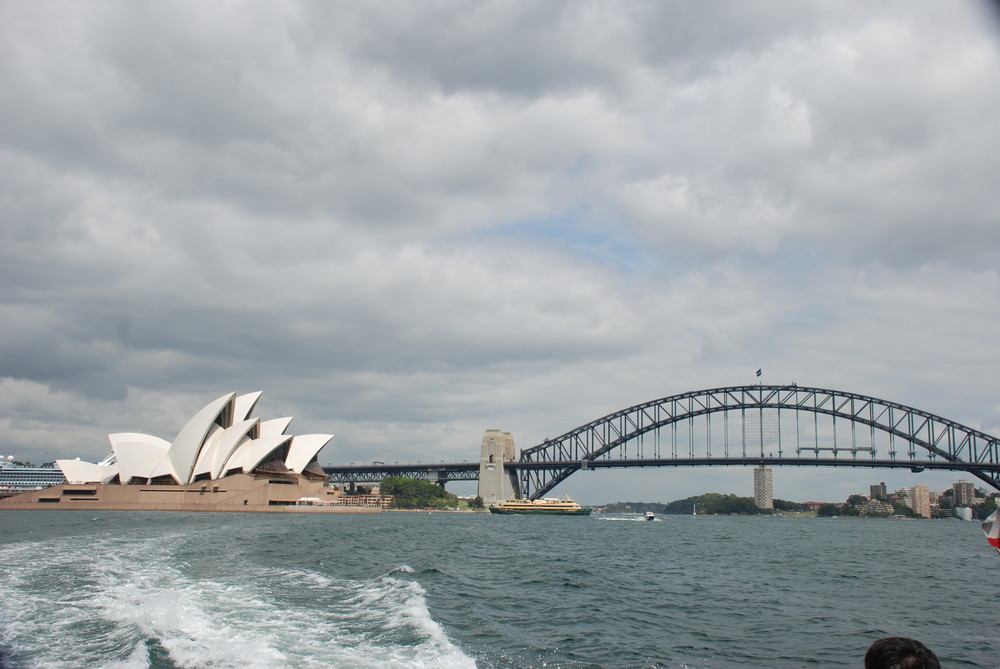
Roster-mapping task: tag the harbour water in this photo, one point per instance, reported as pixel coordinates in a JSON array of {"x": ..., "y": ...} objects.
[{"x": 214, "y": 590}]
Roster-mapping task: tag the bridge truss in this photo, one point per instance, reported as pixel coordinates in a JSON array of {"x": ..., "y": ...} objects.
[
  {"x": 761, "y": 424},
  {"x": 439, "y": 473}
]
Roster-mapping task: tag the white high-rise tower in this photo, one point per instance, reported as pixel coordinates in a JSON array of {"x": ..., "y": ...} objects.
[{"x": 763, "y": 493}]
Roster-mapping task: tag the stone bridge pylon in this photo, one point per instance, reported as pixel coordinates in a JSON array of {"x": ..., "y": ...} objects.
[{"x": 494, "y": 480}]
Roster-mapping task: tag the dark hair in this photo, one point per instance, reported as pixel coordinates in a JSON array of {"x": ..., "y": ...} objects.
[{"x": 898, "y": 652}]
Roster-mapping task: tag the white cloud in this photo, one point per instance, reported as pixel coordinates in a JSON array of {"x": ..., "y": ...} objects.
[{"x": 407, "y": 225}]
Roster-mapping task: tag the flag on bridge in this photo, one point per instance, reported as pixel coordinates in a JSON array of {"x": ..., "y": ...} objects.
[
  {"x": 758, "y": 372},
  {"x": 992, "y": 529}
]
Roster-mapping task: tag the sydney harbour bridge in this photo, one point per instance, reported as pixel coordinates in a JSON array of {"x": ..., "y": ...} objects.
[{"x": 771, "y": 425}]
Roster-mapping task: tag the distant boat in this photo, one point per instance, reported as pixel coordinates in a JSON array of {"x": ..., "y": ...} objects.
[
  {"x": 650, "y": 516},
  {"x": 547, "y": 506},
  {"x": 694, "y": 509}
]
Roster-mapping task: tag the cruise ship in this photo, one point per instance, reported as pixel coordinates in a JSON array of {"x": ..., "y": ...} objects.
[
  {"x": 546, "y": 506},
  {"x": 16, "y": 479}
]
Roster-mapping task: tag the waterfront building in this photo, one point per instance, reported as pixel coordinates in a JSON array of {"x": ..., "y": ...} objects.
[
  {"x": 763, "y": 494},
  {"x": 876, "y": 507},
  {"x": 963, "y": 513},
  {"x": 965, "y": 493},
  {"x": 920, "y": 501},
  {"x": 373, "y": 499},
  {"x": 221, "y": 459},
  {"x": 221, "y": 439},
  {"x": 494, "y": 484},
  {"x": 878, "y": 491}
]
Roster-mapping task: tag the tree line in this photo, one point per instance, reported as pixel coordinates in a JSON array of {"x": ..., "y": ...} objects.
[
  {"x": 416, "y": 494},
  {"x": 709, "y": 503}
]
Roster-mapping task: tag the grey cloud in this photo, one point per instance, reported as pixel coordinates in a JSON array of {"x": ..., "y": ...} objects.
[{"x": 407, "y": 224}]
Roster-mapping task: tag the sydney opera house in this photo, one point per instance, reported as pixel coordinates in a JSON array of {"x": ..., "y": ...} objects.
[{"x": 223, "y": 459}]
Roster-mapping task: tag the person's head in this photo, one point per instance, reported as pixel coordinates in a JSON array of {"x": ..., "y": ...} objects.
[{"x": 898, "y": 652}]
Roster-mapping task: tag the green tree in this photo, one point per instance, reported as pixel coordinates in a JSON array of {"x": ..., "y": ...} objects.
[
  {"x": 415, "y": 494},
  {"x": 785, "y": 505},
  {"x": 681, "y": 505},
  {"x": 729, "y": 505},
  {"x": 712, "y": 503},
  {"x": 983, "y": 511},
  {"x": 856, "y": 500},
  {"x": 828, "y": 510},
  {"x": 618, "y": 507},
  {"x": 634, "y": 507}
]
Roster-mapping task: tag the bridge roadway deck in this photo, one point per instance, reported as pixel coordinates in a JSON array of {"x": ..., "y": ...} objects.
[{"x": 469, "y": 471}]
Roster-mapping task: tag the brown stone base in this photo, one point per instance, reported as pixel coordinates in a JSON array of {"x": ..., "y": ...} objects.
[{"x": 257, "y": 493}]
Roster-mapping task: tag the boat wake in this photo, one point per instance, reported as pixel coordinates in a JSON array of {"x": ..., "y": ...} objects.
[{"x": 148, "y": 602}]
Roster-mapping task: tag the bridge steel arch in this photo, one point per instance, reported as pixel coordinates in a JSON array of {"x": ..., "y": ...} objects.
[{"x": 941, "y": 443}]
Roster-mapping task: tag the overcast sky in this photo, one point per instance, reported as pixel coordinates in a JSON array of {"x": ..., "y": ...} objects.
[{"x": 409, "y": 222}]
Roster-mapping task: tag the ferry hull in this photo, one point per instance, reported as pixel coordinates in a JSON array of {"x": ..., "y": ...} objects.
[
  {"x": 541, "y": 512},
  {"x": 549, "y": 506}
]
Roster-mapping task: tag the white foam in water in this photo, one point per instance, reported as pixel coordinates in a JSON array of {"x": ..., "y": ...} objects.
[
  {"x": 139, "y": 659},
  {"x": 405, "y": 606},
  {"x": 383, "y": 622},
  {"x": 85, "y": 603},
  {"x": 45, "y": 615},
  {"x": 196, "y": 622}
]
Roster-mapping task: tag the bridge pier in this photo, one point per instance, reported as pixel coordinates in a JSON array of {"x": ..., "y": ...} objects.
[{"x": 494, "y": 483}]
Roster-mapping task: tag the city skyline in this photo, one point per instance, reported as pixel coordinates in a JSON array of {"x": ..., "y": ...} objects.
[{"x": 496, "y": 446}]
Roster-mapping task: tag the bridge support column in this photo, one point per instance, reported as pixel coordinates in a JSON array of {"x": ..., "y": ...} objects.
[{"x": 494, "y": 484}]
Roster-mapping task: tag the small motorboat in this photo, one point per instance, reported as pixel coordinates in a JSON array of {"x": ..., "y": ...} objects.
[{"x": 650, "y": 516}]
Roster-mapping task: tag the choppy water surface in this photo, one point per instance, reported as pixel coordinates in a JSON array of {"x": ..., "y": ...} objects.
[{"x": 124, "y": 590}]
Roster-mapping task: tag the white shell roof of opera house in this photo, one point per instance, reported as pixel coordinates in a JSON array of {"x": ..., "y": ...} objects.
[{"x": 222, "y": 438}]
